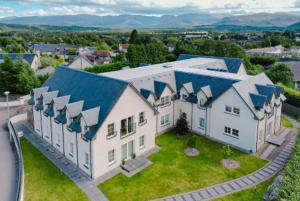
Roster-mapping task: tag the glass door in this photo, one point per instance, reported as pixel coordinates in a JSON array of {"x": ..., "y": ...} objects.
[{"x": 127, "y": 150}]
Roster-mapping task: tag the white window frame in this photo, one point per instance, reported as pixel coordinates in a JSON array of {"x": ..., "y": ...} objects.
[
  {"x": 235, "y": 132},
  {"x": 142, "y": 139},
  {"x": 111, "y": 130},
  {"x": 71, "y": 149},
  {"x": 235, "y": 109},
  {"x": 164, "y": 119},
  {"x": 111, "y": 158},
  {"x": 203, "y": 121},
  {"x": 86, "y": 159},
  {"x": 227, "y": 130},
  {"x": 228, "y": 108},
  {"x": 141, "y": 116}
]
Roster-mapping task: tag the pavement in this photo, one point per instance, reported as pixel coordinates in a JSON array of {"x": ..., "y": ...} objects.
[{"x": 8, "y": 173}]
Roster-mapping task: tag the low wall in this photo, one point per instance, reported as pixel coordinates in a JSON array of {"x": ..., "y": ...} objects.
[
  {"x": 19, "y": 102},
  {"x": 290, "y": 109},
  {"x": 15, "y": 143}
]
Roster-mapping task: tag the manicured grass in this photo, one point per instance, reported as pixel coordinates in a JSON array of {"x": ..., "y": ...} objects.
[
  {"x": 44, "y": 181},
  {"x": 173, "y": 172},
  {"x": 286, "y": 123},
  {"x": 253, "y": 193}
]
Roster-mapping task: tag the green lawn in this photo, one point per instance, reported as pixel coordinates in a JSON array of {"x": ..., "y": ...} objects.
[
  {"x": 250, "y": 194},
  {"x": 286, "y": 123},
  {"x": 173, "y": 172},
  {"x": 44, "y": 181}
]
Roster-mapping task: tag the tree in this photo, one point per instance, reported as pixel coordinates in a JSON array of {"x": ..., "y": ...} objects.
[
  {"x": 182, "y": 128},
  {"x": 72, "y": 51},
  {"x": 281, "y": 73},
  {"x": 103, "y": 46},
  {"x": 134, "y": 36},
  {"x": 27, "y": 79}
]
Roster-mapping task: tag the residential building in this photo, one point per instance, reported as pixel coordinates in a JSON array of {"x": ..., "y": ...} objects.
[
  {"x": 123, "y": 47},
  {"x": 52, "y": 49},
  {"x": 33, "y": 60},
  {"x": 100, "y": 121},
  {"x": 295, "y": 68},
  {"x": 267, "y": 51}
]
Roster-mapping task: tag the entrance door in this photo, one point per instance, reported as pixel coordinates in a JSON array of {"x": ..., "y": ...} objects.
[
  {"x": 127, "y": 150},
  {"x": 269, "y": 129}
]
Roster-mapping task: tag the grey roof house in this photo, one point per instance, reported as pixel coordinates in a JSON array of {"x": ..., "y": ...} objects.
[{"x": 32, "y": 59}]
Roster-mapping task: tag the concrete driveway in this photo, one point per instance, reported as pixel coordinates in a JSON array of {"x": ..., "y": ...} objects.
[{"x": 8, "y": 170}]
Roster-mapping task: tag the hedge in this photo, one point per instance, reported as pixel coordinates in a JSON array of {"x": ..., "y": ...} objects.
[
  {"x": 107, "y": 67},
  {"x": 289, "y": 189},
  {"x": 292, "y": 95},
  {"x": 263, "y": 60}
]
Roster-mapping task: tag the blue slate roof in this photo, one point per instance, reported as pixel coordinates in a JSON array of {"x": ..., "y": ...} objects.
[
  {"x": 233, "y": 64},
  {"x": 61, "y": 117},
  {"x": 266, "y": 90},
  {"x": 159, "y": 87},
  {"x": 31, "y": 101},
  {"x": 75, "y": 126},
  {"x": 94, "y": 90},
  {"x": 39, "y": 106},
  {"x": 192, "y": 99},
  {"x": 146, "y": 93},
  {"x": 14, "y": 56},
  {"x": 258, "y": 100},
  {"x": 278, "y": 89},
  {"x": 218, "y": 85}
]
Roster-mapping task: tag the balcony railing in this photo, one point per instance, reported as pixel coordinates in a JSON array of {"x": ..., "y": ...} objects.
[{"x": 131, "y": 129}]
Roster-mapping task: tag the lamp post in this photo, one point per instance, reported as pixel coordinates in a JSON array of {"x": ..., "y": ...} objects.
[{"x": 6, "y": 93}]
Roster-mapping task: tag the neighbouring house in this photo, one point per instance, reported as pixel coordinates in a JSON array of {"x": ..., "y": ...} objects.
[
  {"x": 90, "y": 60},
  {"x": 86, "y": 50},
  {"x": 294, "y": 51},
  {"x": 100, "y": 121},
  {"x": 82, "y": 62},
  {"x": 49, "y": 70},
  {"x": 123, "y": 47},
  {"x": 267, "y": 51},
  {"x": 295, "y": 68},
  {"x": 171, "y": 47},
  {"x": 52, "y": 49},
  {"x": 33, "y": 60}
]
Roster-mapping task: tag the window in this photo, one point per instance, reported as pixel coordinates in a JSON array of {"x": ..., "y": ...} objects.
[
  {"x": 201, "y": 102},
  {"x": 164, "y": 120},
  {"x": 184, "y": 96},
  {"x": 71, "y": 149},
  {"x": 86, "y": 159},
  {"x": 111, "y": 156},
  {"x": 142, "y": 141},
  {"x": 235, "y": 132},
  {"x": 227, "y": 130},
  {"x": 167, "y": 100},
  {"x": 162, "y": 101},
  {"x": 236, "y": 110},
  {"x": 202, "y": 123},
  {"x": 110, "y": 129},
  {"x": 228, "y": 108},
  {"x": 142, "y": 117}
]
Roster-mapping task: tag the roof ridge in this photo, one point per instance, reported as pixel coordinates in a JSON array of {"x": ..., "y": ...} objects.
[
  {"x": 65, "y": 67},
  {"x": 214, "y": 76}
]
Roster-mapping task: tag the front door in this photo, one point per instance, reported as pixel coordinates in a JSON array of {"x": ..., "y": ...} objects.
[{"x": 127, "y": 150}]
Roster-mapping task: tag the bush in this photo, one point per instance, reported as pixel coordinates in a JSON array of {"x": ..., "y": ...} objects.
[
  {"x": 227, "y": 152},
  {"x": 182, "y": 127},
  {"x": 281, "y": 73},
  {"x": 192, "y": 142},
  {"x": 289, "y": 188},
  {"x": 264, "y": 61},
  {"x": 292, "y": 95},
  {"x": 107, "y": 67}
]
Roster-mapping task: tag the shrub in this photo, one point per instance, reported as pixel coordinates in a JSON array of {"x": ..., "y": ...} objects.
[
  {"x": 289, "y": 188},
  {"x": 107, "y": 67},
  {"x": 264, "y": 61},
  {"x": 182, "y": 127},
  {"x": 227, "y": 152},
  {"x": 292, "y": 95},
  {"x": 192, "y": 142},
  {"x": 281, "y": 73}
]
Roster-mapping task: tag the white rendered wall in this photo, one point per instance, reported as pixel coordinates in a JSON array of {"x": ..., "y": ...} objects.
[
  {"x": 245, "y": 122},
  {"x": 37, "y": 122},
  {"x": 124, "y": 108}
]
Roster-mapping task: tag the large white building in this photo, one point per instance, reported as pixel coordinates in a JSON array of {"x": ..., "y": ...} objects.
[{"x": 99, "y": 121}]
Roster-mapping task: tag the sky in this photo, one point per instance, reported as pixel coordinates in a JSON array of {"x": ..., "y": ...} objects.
[{"x": 143, "y": 7}]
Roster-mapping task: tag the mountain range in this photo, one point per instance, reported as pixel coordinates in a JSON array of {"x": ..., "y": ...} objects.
[{"x": 259, "y": 20}]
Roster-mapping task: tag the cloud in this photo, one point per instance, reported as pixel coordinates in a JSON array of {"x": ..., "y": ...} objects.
[
  {"x": 155, "y": 7},
  {"x": 6, "y": 10}
]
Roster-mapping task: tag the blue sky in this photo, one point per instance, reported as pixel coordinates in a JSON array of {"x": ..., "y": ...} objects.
[{"x": 145, "y": 7}]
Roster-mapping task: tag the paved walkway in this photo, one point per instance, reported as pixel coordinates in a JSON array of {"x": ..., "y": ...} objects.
[
  {"x": 219, "y": 190},
  {"x": 8, "y": 166},
  {"x": 68, "y": 168}
]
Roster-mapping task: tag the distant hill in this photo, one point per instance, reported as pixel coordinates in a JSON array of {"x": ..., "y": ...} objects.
[
  {"x": 295, "y": 26},
  {"x": 121, "y": 21},
  {"x": 261, "y": 20}
]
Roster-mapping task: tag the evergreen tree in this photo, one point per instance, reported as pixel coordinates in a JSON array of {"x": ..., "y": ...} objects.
[{"x": 134, "y": 36}]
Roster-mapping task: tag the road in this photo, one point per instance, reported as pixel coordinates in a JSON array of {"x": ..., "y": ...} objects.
[{"x": 8, "y": 171}]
